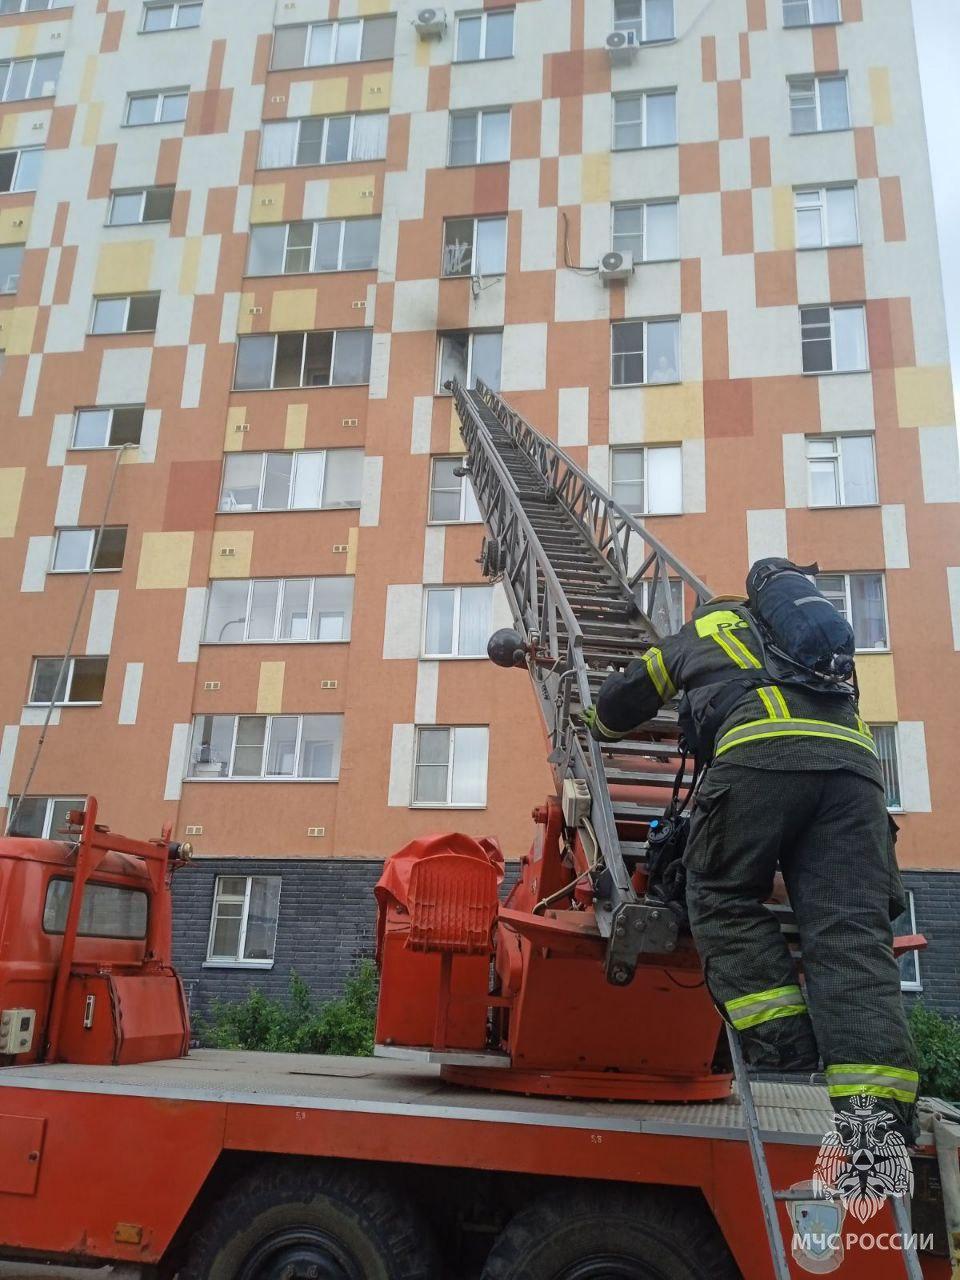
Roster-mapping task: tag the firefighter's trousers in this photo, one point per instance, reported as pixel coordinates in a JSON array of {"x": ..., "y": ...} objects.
[{"x": 830, "y": 833}]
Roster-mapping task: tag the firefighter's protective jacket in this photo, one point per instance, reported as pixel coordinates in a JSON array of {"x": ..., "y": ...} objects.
[{"x": 770, "y": 726}]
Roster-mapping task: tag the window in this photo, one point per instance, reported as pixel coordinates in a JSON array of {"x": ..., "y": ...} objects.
[
  {"x": 457, "y": 622},
  {"x": 31, "y": 6},
  {"x": 481, "y": 36},
  {"x": 644, "y": 120},
  {"x": 467, "y": 356},
  {"x": 168, "y": 17},
  {"x": 665, "y": 609},
  {"x": 809, "y": 13},
  {"x": 145, "y": 204},
  {"x": 649, "y": 231},
  {"x": 905, "y": 925},
  {"x": 826, "y": 216},
  {"x": 650, "y": 19},
  {"x": 818, "y": 104},
  {"x": 324, "y": 43},
  {"x": 107, "y": 910},
  {"x": 859, "y": 597},
  {"x": 841, "y": 471},
  {"x": 271, "y": 361},
  {"x": 833, "y": 339},
  {"x": 308, "y": 480},
  {"x": 42, "y": 817},
  {"x": 134, "y": 314},
  {"x": 323, "y": 140},
  {"x": 645, "y": 351},
  {"x": 243, "y": 925},
  {"x": 647, "y": 481},
  {"x": 292, "y": 248},
  {"x": 451, "y": 767},
  {"x": 20, "y": 170},
  {"x": 452, "y": 500},
  {"x": 11, "y": 260},
  {"x": 25, "y": 78},
  {"x": 270, "y": 747},
  {"x": 479, "y": 137},
  {"x": 165, "y": 106},
  {"x": 107, "y": 428},
  {"x": 82, "y": 681},
  {"x": 885, "y": 736},
  {"x": 261, "y": 610},
  {"x": 474, "y": 246},
  {"x": 78, "y": 551}
]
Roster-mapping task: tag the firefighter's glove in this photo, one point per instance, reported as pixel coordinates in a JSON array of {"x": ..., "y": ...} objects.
[{"x": 588, "y": 718}]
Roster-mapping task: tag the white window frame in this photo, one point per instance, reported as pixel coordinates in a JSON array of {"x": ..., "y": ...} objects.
[
  {"x": 336, "y": 23},
  {"x": 302, "y": 386},
  {"x": 68, "y": 682},
  {"x": 644, "y": 205},
  {"x": 628, "y": 24},
  {"x": 646, "y": 349},
  {"x": 10, "y": 63},
  {"x": 833, "y": 309},
  {"x": 794, "y": 81},
  {"x": 276, "y": 638},
  {"x": 262, "y": 777},
  {"x": 15, "y": 276},
  {"x": 848, "y": 600},
  {"x": 465, "y": 488},
  {"x": 895, "y": 738},
  {"x": 22, "y": 8},
  {"x": 174, "y": 6},
  {"x": 487, "y": 217},
  {"x": 111, "y": 409},
  {"x": 313, "y": 269},
  {"x": 126, "y": 298},
  {"x": 644, "y": 94},
  {"x": 810, "y": 22},
  {"x": 15, "y": 188},
  {"x": 480, "y": 113},
  {"x": 160, "y": 95},
  {"x": 826, "y": 240},
  {"x": 142, "y": 192},
  {"x": 239, "y": 961},
  {"x": 838, "y": 438},
  {"x": 47, "y": 830},
  {"x": 484, "y": 15},
  {"x": 313, "y": 164},
  {"x": 675, "y": 586},
  {"x": 915, "y": 983},
  {"x": 644, "y": 450},
  {"x": 296, "y": 454},
  {"x": 471, "y": 334},
  {"x": 458, "y": 590},
  {"x": 448, "y": 803},
  {"x": 89, "y": 567}
]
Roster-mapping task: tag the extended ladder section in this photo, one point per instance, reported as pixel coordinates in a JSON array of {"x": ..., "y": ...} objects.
[{"x": 591, "y": 590}]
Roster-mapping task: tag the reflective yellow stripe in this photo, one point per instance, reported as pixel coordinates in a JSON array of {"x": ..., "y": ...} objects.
[
  {"x": 758, "y": 997},
  {"x": 724, "y": 642},
  {"x": 781, "y": 701},
  {"x": 758, "y": 730},
  {"x": 602, "y": 728},
  {"x": 765, "y": 1006},
  {"x": 848, "y": 1077},
  {"x": 710, "y": 623},
  {"x": 773, "y": 700},
  {"x": 748, "y": 659},
  {"x": 657, "y": 671},
  {"x": 876, "y": 1091}
]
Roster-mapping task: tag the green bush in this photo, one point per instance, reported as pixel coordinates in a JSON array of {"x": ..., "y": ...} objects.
[
  {"x": 300, "y": 1025},
  {"x": 938, "y": 1045}
]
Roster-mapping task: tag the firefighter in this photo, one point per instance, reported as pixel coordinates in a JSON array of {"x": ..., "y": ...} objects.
[{"x": 794, "y": 779}]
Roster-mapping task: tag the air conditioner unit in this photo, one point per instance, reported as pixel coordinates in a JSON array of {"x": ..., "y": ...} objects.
[
  {"x": 622, "y": 46},
  {"x": 616, "y": 266},
  {"x": 431, "y": 24}
]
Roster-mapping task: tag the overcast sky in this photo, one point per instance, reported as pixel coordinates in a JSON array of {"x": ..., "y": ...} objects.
[{"x": 938, "y": 43}]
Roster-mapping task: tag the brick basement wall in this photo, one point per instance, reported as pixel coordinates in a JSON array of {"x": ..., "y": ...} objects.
[{"x": 328, "y": 916}]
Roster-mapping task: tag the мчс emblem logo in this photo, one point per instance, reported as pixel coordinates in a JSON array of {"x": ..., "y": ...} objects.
[{"x": 864, "y": 1161}]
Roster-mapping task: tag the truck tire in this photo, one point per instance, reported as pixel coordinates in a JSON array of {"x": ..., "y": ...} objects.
[
  {"x": 311, "y": 1222},
  {"x": 598, "y": 1233}
]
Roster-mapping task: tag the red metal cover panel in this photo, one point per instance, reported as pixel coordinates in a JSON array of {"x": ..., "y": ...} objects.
[
  {"x": 21, "y": 1146},
  {"x": 453, "y": 904}
]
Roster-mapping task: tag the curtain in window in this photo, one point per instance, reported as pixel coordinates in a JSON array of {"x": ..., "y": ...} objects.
[
  {"x": 475, "y": 624},
  {"x": 469, "y": 766},
  {"x": 343, "y": 479},
  {"x": 370, "y": 136}
]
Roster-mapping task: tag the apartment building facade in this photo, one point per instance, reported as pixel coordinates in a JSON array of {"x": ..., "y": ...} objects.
[{"x": 243, "y": 246}]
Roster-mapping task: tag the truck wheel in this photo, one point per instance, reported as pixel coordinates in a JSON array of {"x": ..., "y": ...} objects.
[
  {"x": 317, "y": 1222},
  {"x": 611, "y": 1234}
]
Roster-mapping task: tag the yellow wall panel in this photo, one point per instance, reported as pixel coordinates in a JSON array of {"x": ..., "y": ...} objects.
[
  {"x": 11, "y": 234},
  {"x": 784, "y": 224},
  {"x": 236, "y": 565},
  {"x": 266, "y": 204},
  {"x": 878, "y": 690},
  {"x": 270, "y": 688},
  {"x": 124, "y": 267},
  {"x": 190, "y": 265},
  {"x": 18, "y": 331},
  {"x": 456, "y": 444},
  {"x": 245, "y": 319},
  {"x": 232, "y": 438},
  {"x": 351, "y": 197},
  {"x": 353, "y": 544},
  {"x": 422, "y": 55},
  {"x": 8, "y": 130},
  {"x": 880, "y": 95},
  {"x": 11, "y": 490},
  {"x": 375, "y": 93},
  {"x": 26, "y": 41},
  {"x": 88, "y": 79},
  {"x": 673, "y": 413},
  {"x": 375, "y": 6},
  {"x": 329, "y": 96},
  {"x": 293, "y": 309},
  {"x": 164, "y": 560},
  {"x": 595, "y": 177},
  {"x": 925, "y": 397},
  {"x": 295, "y": 435},
  {"x": 92, "y": 124}
]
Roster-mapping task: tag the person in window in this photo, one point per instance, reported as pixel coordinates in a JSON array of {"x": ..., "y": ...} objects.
[
  {"x": 793, "y": 778},
  {"x": 663, "y": 371}
]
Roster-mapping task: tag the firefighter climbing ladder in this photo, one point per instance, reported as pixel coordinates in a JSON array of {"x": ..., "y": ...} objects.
[{"x": 591, "y": 590}]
